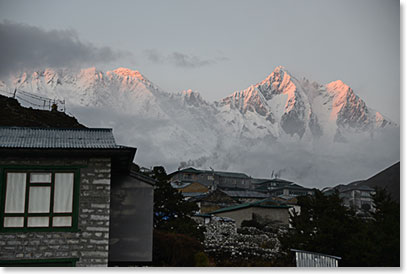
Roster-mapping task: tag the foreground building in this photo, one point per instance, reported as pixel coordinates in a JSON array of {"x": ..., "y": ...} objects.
[{"x": 67, "y": 199}]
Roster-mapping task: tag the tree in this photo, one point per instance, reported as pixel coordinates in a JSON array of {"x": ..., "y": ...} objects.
[
  {"x": 386, "y": 226},
  {"x": 326, "y": 226},
  {"x": 323, "y": 226},
  {"x": 171, "y": 212},
  {"x": 177, "y": 237},
  {"x": 173, "y": 249},
  {"x": 376, "y": 242}
]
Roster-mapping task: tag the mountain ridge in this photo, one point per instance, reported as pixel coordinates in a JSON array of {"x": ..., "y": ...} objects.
[{"x": 279, "y": 113}]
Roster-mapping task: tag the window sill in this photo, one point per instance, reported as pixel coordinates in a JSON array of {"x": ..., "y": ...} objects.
[{"x": 39, "y": 229}]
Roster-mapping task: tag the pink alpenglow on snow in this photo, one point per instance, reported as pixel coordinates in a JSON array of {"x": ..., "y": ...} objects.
[{"x": 339, "y": 90}]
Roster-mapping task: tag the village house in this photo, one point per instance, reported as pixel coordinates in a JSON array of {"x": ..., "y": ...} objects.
[
  {"x": 265, "y": 211},
  {"x": 213, "y": 200},
  {"x": 245, "y": 195},
  {"x": 68, "y": 197},
  {"x": 190, "y": 189},
  {"x": 266, "y": 185},
  {"x": 211, "y": 178},
  {"x": 357, "y": 197},
  {"x": 281, "y": 188}
]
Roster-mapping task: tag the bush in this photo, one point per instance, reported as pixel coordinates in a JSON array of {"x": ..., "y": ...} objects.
[
  {"x": 201, "y": 259},
  {"x": 252, "y": 223},
  {"x": 173, "y": 249}
]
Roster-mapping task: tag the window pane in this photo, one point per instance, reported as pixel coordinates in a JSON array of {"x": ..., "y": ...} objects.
[
  {"x": 38, "y": 221},
  {"x": 39, "y": 199},
  {"x": 15, "y": 193},
  {"x": 62, "y": 221},
  {"x": 40, "y": 178},
  {"x": 63, "y": 192},
  {"x": 13, "y": 221}
]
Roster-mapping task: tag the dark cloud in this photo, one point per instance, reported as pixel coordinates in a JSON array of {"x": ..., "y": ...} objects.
[
  {"x": 25, "y": 47},
  {"x": 179, "y": 59},
  {"x": 154, "y": 56},
  {"x": 188, "y": 61}
]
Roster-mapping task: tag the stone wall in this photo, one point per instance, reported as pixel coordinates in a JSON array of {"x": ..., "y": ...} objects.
[
  {"x": 225, "y": 242},
  {"x": 90, "y": 243},
  {"x": 280, "y": 215}
]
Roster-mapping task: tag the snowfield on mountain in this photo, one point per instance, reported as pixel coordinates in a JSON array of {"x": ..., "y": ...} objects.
[{"x": 311, "y": 133}]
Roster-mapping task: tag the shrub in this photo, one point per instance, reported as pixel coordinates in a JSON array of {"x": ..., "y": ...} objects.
[{"x": 173, "y": 249}]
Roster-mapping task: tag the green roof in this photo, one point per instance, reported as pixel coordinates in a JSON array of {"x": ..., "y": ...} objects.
[{"x": 254, "y": 204}]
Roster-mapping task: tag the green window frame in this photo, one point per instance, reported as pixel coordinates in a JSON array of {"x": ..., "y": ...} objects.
[
  {"x": 52, "y": 214},
  {"x": 68, "y": 262}
]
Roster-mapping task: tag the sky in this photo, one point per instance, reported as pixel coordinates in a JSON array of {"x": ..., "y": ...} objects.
[{"x": 213, "y": 47}]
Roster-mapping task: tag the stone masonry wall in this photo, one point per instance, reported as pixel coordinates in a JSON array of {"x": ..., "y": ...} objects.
[
  {"x": 225, "y": 242},
  {"x": 91, "y": 243}
]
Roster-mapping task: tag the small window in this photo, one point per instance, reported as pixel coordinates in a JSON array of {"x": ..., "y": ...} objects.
[{"x": 39, "y": 200}]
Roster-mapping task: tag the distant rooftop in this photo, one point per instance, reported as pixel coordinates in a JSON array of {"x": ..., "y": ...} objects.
[
  {"x": 219, "y": 173},
  {"x": 245, "y": 194},
  {"x": 274, "y": 180},
  {"x": 87, "y": 138},
  {"x": 356, "y": 187}
]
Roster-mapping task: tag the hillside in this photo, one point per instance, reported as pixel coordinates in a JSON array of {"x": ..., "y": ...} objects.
[
  {"x": 388, "y": 179},
  {"x": 13, "y": 114}
]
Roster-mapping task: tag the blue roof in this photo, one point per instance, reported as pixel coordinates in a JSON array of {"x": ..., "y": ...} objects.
[{"x": 88, "y": 138}]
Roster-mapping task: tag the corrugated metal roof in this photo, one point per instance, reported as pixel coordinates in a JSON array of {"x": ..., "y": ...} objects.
[
  {"x": 231, "y": 174},
  {"x": 192, "y": 194},
  {"x": 292, "y": 186},
  {"x": 357, "y": 187},
  {"x": 219, "y": 173},
  {"x": 25, "y": 137},
  {"x": 312, "y": 259}
]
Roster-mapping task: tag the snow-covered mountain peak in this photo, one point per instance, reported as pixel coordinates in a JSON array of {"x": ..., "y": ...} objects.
[
  {"x": 193, "y": 98},
  {"x": 132, "y": 80},
  {"x": 276, "y": 76},
  {"x": 279, "y": 107},
  {"x": 338, "y": 87},
  {"x": 125, "y": 72},
  {"x": 90, "y": 74},
  {"x": 280, "y": 69},
  {"x": 279, "y": 81}
]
